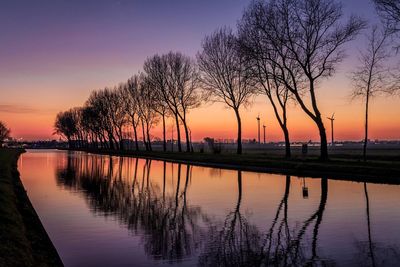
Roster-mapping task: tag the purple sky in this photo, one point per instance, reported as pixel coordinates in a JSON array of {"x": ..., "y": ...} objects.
[{"x": 54, "y": 52}]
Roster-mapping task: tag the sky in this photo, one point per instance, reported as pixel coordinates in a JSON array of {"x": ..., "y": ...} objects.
[{"x": 53, "y": 53}]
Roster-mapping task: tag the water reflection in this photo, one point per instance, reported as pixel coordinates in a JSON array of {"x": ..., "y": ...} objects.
[
  {"x": 170, "y": 228},
  {"x": 372, "y": 253},
  {"x": 174, "y": 230}
]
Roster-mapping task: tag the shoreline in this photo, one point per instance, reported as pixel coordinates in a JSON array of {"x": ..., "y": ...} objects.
[
  {"x": 373, "y": 172},
  {"x": 24, "y": 240}
]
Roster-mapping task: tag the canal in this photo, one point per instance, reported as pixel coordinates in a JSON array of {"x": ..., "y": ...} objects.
[{"x": 118, "y": 211}]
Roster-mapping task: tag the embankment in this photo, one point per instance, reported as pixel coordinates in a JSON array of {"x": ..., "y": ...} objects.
[
  {"x": 23, "y": 240},
  {"x": 387, "y": 171}
]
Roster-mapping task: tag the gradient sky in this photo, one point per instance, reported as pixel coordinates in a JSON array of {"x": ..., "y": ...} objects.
[{"x": 53, "y": 53}]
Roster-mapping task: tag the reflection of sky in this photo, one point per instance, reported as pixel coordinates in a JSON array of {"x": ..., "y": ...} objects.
[
  {"x": 53, "y": 53},
  {"x": 80, "y": 231}
]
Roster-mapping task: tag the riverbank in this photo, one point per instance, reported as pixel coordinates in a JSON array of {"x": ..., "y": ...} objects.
[
  {"x": 23, "y": 240},
  {"x": 379, "y": 171}
]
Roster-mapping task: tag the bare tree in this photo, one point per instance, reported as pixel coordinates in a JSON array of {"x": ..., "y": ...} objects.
[
  {"x": 65, "y": 126},
  {"x": 118, "y": 112},
  {"x": 371, "y": 76},
  {"x": 389, "y": 10},
  {"x": 156, "y": 73},
  {"x": 262, "y": 58},
  {"x": 225, "y": 75},
  {"x": 175, "y": 77},
  {"x": 145, "y": 100},
  {"x": 308, "y": 37},
  {"x": 131, "y": 106},
  {"x": 99, "y": 100},
  {"x": 4, "y": 133}
]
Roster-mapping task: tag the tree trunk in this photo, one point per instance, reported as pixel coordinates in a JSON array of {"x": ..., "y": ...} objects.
[
  {"x": 366, "y": 128},
  {"x": 135, "y": 134},
  {"x": 239, "y": 132},
  {"x": 178, "y": 133},
  {"x": 164, "y": 134},
  {"x": 320, "y": 124},
  {"x": 323, "y": 140},
  {"x": 148, "y": 137},
  {"x": 288, "y": 153},
  {"x": 187, "y": 136},
  {"x": 144, "y": 136},
  {"x": 69, "y": 143},
  {"x": 316, "y": 117},
  {"x": 111, "y": 142},
  {"x": 121, "y": 140}
]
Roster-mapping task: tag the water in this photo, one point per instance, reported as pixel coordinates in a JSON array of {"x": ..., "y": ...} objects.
[{"x": 115, "y": 211}]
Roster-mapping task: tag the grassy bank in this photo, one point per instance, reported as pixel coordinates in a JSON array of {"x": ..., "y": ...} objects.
[
  {"x": 23, "y": 240},
  {"x": 346, "y": 168}
]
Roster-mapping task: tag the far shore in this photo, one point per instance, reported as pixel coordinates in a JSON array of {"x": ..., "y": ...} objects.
[{"x": 380, "y": 170}]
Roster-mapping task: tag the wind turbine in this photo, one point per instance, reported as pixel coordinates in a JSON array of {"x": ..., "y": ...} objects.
[{"x": 332, "y": 119}]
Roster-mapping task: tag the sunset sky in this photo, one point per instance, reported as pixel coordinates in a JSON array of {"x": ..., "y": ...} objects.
[{"x": 53, "y": 53}]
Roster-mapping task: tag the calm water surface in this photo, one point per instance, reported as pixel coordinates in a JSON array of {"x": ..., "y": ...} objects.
[{"x": 116, "y": 211}]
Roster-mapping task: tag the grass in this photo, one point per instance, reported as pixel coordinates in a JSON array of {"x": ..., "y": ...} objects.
[
  {"x": 381, "y": 169},
  {"x": 23, "y": 240}
]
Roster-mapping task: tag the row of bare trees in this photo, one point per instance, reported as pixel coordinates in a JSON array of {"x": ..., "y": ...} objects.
[
  {"x": 168, "y": 87},
  {"x": 282, "y": 49}
]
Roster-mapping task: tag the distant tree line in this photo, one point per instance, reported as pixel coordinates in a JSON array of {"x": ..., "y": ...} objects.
[{"x": 282, "y": 49}]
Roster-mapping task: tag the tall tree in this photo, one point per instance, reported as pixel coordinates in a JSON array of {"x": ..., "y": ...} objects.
[
  {"x": 225, "y": 75},
  {"x": 118, "y": 112},
  {"x": 146, "y": 99},
  {"x": 308, "y": 37},
  {"x": 156, "y": 73},
  {"x": 156, "y": 69},
  {"x": 65, "y": 126},
  {"x": 4, "y": 133},
  {"x": 176, "y": 78},
  {"x": 371, "y": 76},
  {"x": 262, "y": 58},
  {"x": 99, "y": 100},
  {"x": 132, "y": 106}
]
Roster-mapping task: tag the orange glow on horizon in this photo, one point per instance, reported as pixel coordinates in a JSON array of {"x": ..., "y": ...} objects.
[{"x": 214, "y": 120}]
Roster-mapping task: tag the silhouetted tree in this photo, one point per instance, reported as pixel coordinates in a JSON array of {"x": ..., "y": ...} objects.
[
  {"x": 371, "y": 76},
  {"x": 389, "y": 11},
  {"x": 146, "y": 99},
  {"x": 262, "y": 58},
  {"x": 100, "y": 101},
  {"x": 175, "y": 78},
  {"x": 65, "y": 125},
  {"x": 156, "y": 71},
  {"x": 225, "y": 75},
  {"x": 132, "y": 106},
  {"x": 308, "y": 37},
  {"x": 4, "y": 133},
  {"x": 118, "y": 113}
]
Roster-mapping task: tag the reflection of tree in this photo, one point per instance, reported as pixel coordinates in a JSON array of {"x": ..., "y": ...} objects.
[
  {"x": 169, "y": 225},
  {"x": 173, "y": 230},
  {"x": 372, "y": 253},
  {"x": 274, "y": 247},
  {"x": 371, "y": 249},
  {"x": 317, "y": 218},
  {"x": 238, "y": 243}
]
